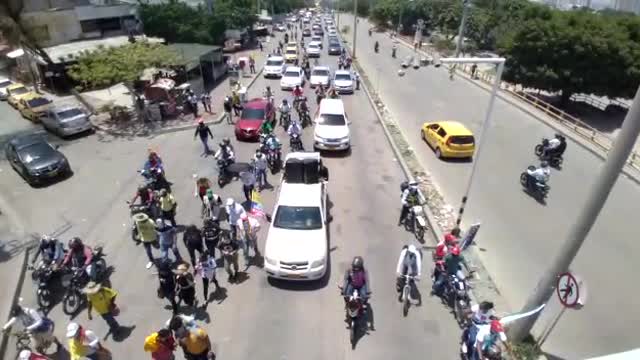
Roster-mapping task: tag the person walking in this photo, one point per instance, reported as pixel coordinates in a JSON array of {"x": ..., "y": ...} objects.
[
  {"x": 204, "y": 132},
  {"x": 192, "y": 238},
  {"x": 474, "y": 68},
  {"x": 356, "y": 76},
  {"x": 228, "y": 106},
  {"x": 193, "y": 102},
  {"x": 248, "y": 228},
  {"x": 167, "y": 238},
  {"x": 234, "y": 212},
  {"x": 168, "y": 206},
  {"x": 84, "y": 344},
  {"x": 205, "y": 98},
  {"x": 161, "y": 344},
  {"x": 103, "y": 300},
  {"x": 229, "y": 248},
  {"x": 252, "y": 64},
  {"x": 248, "y": 179},
  {"x": 261, "y": 165},
  {"x": 211, "y": 235},
  {"x": 185, "y": 285},
  {"x": 147, "y": 234},
  {"x": 206, "y": 269},
  {"x": 261, "y": 46},
  {"x": 193, "y": 340},
  {"x": 167, "y": 284},
  {"x": 235, "y": 100}
]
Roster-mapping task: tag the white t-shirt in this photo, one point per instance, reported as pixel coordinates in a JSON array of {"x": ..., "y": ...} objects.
[
  {"x": 483, "y": 331},
  {"x": 481, "y": 317}
]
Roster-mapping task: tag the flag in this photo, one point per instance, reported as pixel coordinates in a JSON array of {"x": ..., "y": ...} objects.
[{"x": 256, "y": 204}]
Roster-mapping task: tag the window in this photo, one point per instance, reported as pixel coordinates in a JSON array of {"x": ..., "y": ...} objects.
[
  {"x": 257, "y": 114},
  {"x": 39, "y": 101},
  {"x": 320, "y": 72},
  {"x": 298, "y": 218},
  {"x": 442, "y": 133},
  {"x": 434, "y": 127},
  {"x": 343, "y": 77},
  {"x": 462, "y": 140},
  {"x": 332, "y": 119},
  {"x": 274, "y": 62}
]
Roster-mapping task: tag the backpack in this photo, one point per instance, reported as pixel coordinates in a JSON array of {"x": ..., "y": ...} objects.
[{"x": 151, "y": 343}]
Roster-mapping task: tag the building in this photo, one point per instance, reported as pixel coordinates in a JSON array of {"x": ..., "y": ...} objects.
[
  {"x": 55, "y": 22},
  {"x": 632, "y": 6}
]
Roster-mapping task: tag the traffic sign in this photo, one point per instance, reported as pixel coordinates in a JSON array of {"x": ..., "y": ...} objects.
[{"x": 569, "y": 289}]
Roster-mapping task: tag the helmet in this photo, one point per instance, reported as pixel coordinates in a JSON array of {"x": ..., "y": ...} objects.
[
  {"x": 258, "y": 152},
  {"x": 75, "y": 243},
  {"x": 226, "y": 141},
  {"x": 24, "y": 355},
  {"x": 413, "y": 183},
  {"x": 230, "y": 201},
  {"x": 221, "y": 144},
  {"x": 412, "y": 248},
  {"x": 45, "y": 238},
  {"x": 544, "y": 164},
  {"x": 357, "y": 263},
  {"x": 455, "y": 250},
  {"x": 16, "y": 310},
  {"x": 284, "y": 101},
  {"x": 496, "y": 326}
]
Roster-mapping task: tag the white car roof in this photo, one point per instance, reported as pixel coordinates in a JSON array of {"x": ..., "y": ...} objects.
[
  {"x": 293, "y": 68},
  {"x": 276, "y": 58},
  {"x": 314, "y": 43},
  {"x": 300, "y": 194},
  {"x": 343, "y": 72},
  {"x": 321, "y": 68},
  {"x": 331, "y": 106}
]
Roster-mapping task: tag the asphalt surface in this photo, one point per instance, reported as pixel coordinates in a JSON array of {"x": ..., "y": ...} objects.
[
  {"x": 519, "y": 236},
  {"x": 257, "y": 318}
]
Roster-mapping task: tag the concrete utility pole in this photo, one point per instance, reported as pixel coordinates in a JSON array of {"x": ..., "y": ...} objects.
[
  {"x": 465, "y": 10},
  {"x": 355, "y": 26},
  {"x": 609, "y": 174}
]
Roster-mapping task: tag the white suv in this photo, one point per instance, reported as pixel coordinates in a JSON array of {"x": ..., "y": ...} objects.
[
  {"x": 331, "y": 130},
  {"x": 274, "y": 67}
]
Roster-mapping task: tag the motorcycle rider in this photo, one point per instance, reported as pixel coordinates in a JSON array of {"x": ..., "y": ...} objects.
[
  {"x": 295, "y": 132},
  {"x": 272, "y": 143},
  {"x": 480, "y": 314},
  {"x": 409, "y": 263},
  {"x": 410, "y": 197},
  {"x": 297, "y": 92},
  {"x": 449, "y": 241},
  {"x": 303, "y": 108},
  {"x": 52, "y": 251},
  {"x": 80, "y": 255},
  {"x": 452, "y": 266},
  {"x": 487, "y": 337},
  {"x": 225, "y": 153},
  {"x": 333, "y": 94},
  {"x": 320, "y": 94},
  {"x": 356, "y": 278},
  {"x": 40, "y": 328},
  {"x": 555, "y": 147},
  {"x": 145, "y": 194},
  {"x": 540, "y": 175},
  {"x": 285, "y": 110}
]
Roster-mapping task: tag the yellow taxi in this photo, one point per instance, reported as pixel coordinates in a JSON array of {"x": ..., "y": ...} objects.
[
  {"x": 449, "y": 139},
  {"x": 15, "y": 92},
  {"x": 291, "y": 54},
  {"x": 32, "y": 106}
]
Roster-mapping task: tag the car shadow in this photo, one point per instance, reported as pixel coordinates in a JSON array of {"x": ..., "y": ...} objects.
[{"x": 336, "y": 154}]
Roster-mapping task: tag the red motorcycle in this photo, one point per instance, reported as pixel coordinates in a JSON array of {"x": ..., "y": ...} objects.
[{"x": 355, "y": 311}]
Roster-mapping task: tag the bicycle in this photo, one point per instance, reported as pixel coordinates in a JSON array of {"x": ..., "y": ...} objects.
[{"x": 406, "y": 293}]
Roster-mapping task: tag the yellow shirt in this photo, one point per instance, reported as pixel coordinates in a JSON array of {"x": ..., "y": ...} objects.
[
  {"x": 197, "y": 342},
  {"x": 147, "y": 231},
  {"x": 101, "y": 301},
  {"x": 167, "y": 202}
]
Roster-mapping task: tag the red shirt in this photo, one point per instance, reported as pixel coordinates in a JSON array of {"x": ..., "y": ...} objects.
[{"x": 165, "y": 350}]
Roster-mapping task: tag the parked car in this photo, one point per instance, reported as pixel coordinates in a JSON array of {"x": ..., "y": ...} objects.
[
  {"x": 66, "y": 120},
  {"x": 343, "y": 82},
  {"x": 313, "y": 49},
  {"x": 4, "y": 83},
  {"x": 331, "y": 130},
  {"x": 33, "y": 106},
  {"x": 449, "y": 139},
  {"x": 16, "y": 92},
  {"x": 253, "y": 114},
  {"x": 274, "y": 67},
  {"x": 293, "y": 76},
  {"x": 35, "y": 159},
  {"x": 320, "y": 75}
]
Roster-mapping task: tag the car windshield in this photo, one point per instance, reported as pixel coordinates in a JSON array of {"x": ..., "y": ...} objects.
[
  {"x": 39, "y": 101},
  {"x": 298, "y": 218},
  {"x": 313, "y": 46},
  {"x": 19, "y": 91},
  {"x": 257, "y": 114},
  {"x": 69, "y": 113},
  {"x": 343, "y": 77},
  {"x": 292, "y": 51},
  {"x": 292, "y": 74},
  {"x": 331, "y": 120},
  {"x": 34, "y": 152},
  {"x": 274, "y": 62},
  {"x": 320, "y": 73},
  {"x": 5, "y": 83}
]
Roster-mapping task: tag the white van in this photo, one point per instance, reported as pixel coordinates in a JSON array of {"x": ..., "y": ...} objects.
[{"x": 331, "y": 131}]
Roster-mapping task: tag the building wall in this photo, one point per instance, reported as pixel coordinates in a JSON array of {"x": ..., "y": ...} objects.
[
  {"x": 628, "y": 5},
  {"x": 51, "y": 28},
  {"x": 43, "y": 5}
]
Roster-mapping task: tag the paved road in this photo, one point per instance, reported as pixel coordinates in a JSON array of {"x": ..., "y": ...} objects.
[
  {"x": 255, "y": 318},
  {"x": 520, "y": 235}
]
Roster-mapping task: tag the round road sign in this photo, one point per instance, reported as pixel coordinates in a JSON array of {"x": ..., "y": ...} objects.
[{"x": 568, "y": 290}]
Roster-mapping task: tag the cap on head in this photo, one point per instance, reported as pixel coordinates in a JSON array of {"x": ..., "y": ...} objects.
[
  {"x": 230, "y": 201},
  {"x": 496, "y": 326},
  {"x": 24, "y": 355},
  {"x": 72, "y": 329},
  {"x": 412, "y": 248}
]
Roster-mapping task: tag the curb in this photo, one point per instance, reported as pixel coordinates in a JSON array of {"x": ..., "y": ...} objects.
[
  {"x": 4, "y": 343},
  {"x": 172, "y": 129}
]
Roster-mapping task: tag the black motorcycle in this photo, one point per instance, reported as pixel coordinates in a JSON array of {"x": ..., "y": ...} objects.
[
  {"x": 535, "y": 188},
  {"x": 42, "y": 276},
  {"x": 224, "y": 176},
  {"x": 554, "y": 158},
  {"x": 457, "y": 297},
  {"x": 73, "y": 281},
  {"x": 295, "y": 143},
  {"x": 155, "y": 179}
]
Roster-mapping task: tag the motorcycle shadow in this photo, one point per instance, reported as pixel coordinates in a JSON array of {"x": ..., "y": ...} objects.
[
  {"x": 541, "y": 200},
  {"x": 364, "y": 326}
]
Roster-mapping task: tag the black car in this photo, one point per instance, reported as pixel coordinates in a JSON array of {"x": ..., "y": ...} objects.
[
  {"x": 306, "y": 32},
  {"x": 318, "y": 32},
  {"x": 334, "y": 48},
  {"x": 35, "y": 159}
]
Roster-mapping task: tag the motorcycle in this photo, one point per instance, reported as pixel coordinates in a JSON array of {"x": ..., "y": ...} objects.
[
  {"x": 355, "y": 310},
  {"x": 406, "y": 293},
  {"x": 554, "y": 159},
  {"x": 224, "y": 176},
  {"x": 537, "y": 189},
  {"x": 416, "y": 222},
  {"x": 41, "y": 276},
  {"x": 295, "y": 143},
  {"x": 155, "y": 179},
  {"x": 73, "y": 299},
  {"x": 285, "y": 118},
  {"x": 457, "y": 295},
  {"x": 273, "y": 159}
]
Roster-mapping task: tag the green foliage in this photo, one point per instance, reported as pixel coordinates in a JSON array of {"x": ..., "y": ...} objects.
[{"x": 108, "y": 66}]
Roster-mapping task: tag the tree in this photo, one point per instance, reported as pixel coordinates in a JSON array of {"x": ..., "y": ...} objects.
[
  {"x": 575, "y": 52},
  {"x": 15, "y": 31},
  {"x": 108, "y": 66}
]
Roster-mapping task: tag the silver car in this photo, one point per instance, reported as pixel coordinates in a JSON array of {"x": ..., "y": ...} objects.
[{"x": 66, "y": 120}]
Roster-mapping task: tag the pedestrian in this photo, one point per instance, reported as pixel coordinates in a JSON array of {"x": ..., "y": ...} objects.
[
  {"x": 248, "y": 228},
  {"x": 193, "y": 340},
  {"x": 204, "y": 132},
  {"x": 212, "y": 204},
  {"x": 235, "y": 100},
  {"x": 252, "y": 64},
  {"x": 261, "y": 46},
  {"x": 261, "y": 165},
  {"x": 227, "y": 110},
  {"x": 84, "y": 344},
  {"x": 474, "y": 67},
  {"x": 147, "y": 234},
  {"x": 248, "y": 183},
  {"x": 167, "y": 239},
  {"x": 229, "y": 248},
  {"x": 205, "y": 98},
  {"x": 161, "y": 344},
  {"x": 357, "y": 77},
  {"x": 201, "y": 186},
  {"x": 211, "y": 235},
  {"x": 193, "y": 102},
  {"x": 167, "y": 284},
  {"x": 280, "y": 45},
  {"x": 168, "y": 206},
  {"x": 185, "y": 285},
  {"x": 206, "y": 269},
  {"x": 234, "y": 211},
  {"x": 103, "y": 300},
  {"x": 340, "y": 65},
  {"x": 192, "y": 238}
]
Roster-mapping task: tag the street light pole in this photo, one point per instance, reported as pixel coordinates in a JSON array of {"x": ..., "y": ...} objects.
[
  {"x": 600, "y": 191},
  {"x": 465, "y": 10},
  {"x": 355, "y": 26}
]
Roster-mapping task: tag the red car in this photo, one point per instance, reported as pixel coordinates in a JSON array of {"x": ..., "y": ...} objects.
[{"x": 253, "y": 114}]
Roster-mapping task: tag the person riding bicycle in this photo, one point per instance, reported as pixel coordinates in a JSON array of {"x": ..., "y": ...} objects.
[
  {"x": 356, "y": 278},
  {"x": 52, "y": 251},
  {"x": 80, "y": 256},
  {"x": 410, "y": 197},
  {"x": 40, "y": 328},
  {"x": 409, "y": 263}
]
